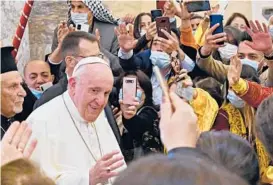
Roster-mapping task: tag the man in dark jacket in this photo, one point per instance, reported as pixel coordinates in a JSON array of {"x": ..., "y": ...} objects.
[
  {"x": 12, "y": 92},
  {"x": 76, "y": 46}
]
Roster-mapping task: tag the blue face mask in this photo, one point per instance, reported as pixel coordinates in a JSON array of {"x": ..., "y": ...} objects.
[
  {"x": 138, "y": 95},
  {"x": 235, "y": 100},
  {"x": 36, "y": 93},
  {"x": 251, "y": 63},
  {"x": 160, "y": 59}
]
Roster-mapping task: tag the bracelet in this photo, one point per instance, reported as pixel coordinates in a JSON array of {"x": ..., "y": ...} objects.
[{"x": 185, "y": 19}]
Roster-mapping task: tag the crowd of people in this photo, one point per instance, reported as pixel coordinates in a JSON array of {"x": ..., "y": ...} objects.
[{"x": 65, "y": 121}]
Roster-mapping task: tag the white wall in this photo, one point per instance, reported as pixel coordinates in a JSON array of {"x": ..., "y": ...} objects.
[{"x": 10, "y": 14}]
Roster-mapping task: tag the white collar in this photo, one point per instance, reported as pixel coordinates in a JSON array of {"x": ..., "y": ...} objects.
[{"x": 72, "y": 108}]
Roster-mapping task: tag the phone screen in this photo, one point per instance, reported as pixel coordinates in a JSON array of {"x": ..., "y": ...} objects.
[
  {"x": 163, "y": 23},
  {"x": 198, "y": 6},
  {"x": 155, "y": 14},
  {"x": 129, "y": 90}
]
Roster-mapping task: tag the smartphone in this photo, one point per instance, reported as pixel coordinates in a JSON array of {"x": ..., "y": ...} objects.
[
  {"x": 129, "y": 90},
  {"x": 156, "y": 13},
  {"x": 185, "y": 93},
  {"x": 162, "y": 82},
  {"x": 82, "y": 27},
  {"x": 163, "y": 23},
  {"x": 214, "y": 19},
  {"x": 45, "y": 86},
  {"x": 198, "y": 6}
]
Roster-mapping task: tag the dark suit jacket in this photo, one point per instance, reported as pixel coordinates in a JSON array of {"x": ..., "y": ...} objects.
[{"x": 60, "y": 88}]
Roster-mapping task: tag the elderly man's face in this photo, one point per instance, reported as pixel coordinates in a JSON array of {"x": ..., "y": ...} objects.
[
  {"x": 77, "y": 6},
  {"x": 37, "y": 73},
  {"x": 12, "y": 94},
  {"x": 91, "y": 91}
]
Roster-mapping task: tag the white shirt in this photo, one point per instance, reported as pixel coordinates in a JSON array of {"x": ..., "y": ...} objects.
[{"x": 61, "y": 152}]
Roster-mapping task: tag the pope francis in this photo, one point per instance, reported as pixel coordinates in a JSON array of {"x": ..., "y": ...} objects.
[{"x": 76, "y": 145}]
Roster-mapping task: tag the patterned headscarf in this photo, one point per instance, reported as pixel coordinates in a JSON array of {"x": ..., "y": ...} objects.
[{"x": 98, "y": 10}]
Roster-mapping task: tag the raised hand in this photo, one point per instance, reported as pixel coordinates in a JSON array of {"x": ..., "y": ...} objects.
[
  {"x": 13, "y": 145},
  {"x": 104, "y": 168},
  {"x": 151, "y": 31},
  {"x": 183, "y": 12},
  {"x": 169, "y": 9},
  {"x": 63, "y": 30},
  {"x": 128, "y": 19},
  {"x": 178, "y": 128},
  {"x": 129, "y": 111},
  {"x": 170, "y": 45},
  {"x": 214, "y": 9},
  {"x": 261, "y": 38},
  {"x": 212, "y": 40},
  {"x": 234, "y": 70},
  {"x": 126, "y": 39}
]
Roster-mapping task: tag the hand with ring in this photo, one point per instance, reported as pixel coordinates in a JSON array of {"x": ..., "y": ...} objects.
[
  {"x": 13, "y": 145},
  {"x": 105, "y": 168}
]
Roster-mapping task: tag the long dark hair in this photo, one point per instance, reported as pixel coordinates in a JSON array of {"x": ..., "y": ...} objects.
[
  {"x": 137, "y": 23},
  {"x": 234, "y": 15},
  {"x": 144, "y": 83}
]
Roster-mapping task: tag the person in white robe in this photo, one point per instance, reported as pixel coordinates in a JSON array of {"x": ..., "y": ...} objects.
[{"x": 76, "y": 145}]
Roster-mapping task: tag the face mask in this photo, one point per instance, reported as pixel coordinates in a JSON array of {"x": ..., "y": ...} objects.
[
  {"x": 142, "y": 32},
  {"x": 36, "y": 93},
  {"x": 160, "y": 59},
  {"x": 193, "y": 32},
  {"x": 79, "y": 18},
  {"x": 271, "y": 30},
  {"x": 235, "y": 100},
  {"x": 251, "y": 63},
  {"x": 138, "y": 95},
  {"x": 228, "y": 51}
]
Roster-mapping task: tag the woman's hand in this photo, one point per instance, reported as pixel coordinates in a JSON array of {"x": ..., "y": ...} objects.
[{"x": 129, "y": 111}]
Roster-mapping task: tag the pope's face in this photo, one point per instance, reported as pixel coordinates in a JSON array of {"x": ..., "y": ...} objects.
[
  {"x": 12, "y": 94},
  {"x": 90, "y": 92}
]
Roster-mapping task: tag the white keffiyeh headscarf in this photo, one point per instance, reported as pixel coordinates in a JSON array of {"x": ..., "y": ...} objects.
[{"x": 98, "y": 10}]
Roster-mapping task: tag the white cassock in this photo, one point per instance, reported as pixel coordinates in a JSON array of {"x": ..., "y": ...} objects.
[{"x": 62, "y": 143}]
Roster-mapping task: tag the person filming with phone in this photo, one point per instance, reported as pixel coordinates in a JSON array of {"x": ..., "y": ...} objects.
[
  {"x": 160, "y": 54},
  {"x": 139, "y": 120}
]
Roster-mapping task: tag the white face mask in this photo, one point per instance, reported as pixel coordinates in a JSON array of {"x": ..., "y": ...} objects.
[
  {"x": 79, "y": 18},
  {"x": 142, "y": 32},
  {"x": 228, "y": 51}
]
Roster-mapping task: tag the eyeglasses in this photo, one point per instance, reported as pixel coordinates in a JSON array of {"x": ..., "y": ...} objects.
[{"x": 100, "y": 55}]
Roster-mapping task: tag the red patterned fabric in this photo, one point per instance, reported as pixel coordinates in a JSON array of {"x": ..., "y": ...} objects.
[
  {"x": 256, "y": 94},
  {"x": 21, "y": 26}
]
